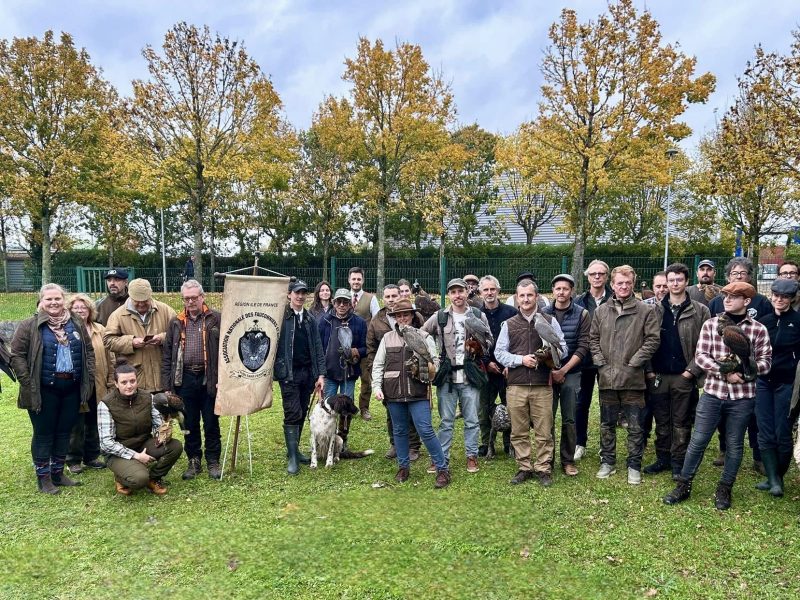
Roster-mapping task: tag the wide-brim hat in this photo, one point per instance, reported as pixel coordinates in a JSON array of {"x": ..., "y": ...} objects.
[{"x": 401, "y": 306}]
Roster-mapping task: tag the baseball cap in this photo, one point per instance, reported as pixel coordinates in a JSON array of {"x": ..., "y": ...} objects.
[{"x": 117, "y": 272}]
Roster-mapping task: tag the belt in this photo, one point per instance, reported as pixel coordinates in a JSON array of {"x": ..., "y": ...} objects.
[
  {"x": 196, "y": 369},
  {"x": 64, "y": 376}
]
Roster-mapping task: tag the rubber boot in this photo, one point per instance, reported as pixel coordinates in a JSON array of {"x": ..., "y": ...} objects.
[
  {"x": 291, "y": 433},
  {"x": 301, "y": 458},
  {"x": 784, "y": 460},
  {"x": 773, "y": 483}
]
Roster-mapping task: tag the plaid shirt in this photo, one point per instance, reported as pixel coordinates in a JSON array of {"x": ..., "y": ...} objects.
[
  {"x": 108, "y": 431},
  {"x": 711, "y": 348}
]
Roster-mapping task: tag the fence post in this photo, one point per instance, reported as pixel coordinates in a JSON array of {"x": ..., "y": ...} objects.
[
  {"x": 564, "y": 260},
  {"x": 333, "y": 273},
  {"x": 443, "y": 279},
  {"x": 79, "y": 279}
]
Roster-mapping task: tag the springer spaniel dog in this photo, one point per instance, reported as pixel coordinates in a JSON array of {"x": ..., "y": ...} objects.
[{"x": 325, "y": 443}]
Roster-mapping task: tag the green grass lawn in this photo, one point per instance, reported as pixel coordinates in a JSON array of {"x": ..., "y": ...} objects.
[{"x": 351, "y": 532}]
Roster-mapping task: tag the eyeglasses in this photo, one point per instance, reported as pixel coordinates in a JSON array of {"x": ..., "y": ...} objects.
[
  {"x": 341, "y": 301},
  {"x": 598, "y": 274},
  {"x": 788, "y": 273},
  {"x": 189, "y": 299},
  {"x": 738, "y": 273}
]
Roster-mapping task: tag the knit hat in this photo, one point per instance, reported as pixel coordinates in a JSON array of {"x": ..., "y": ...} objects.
[{"x": 139, "y": 290}]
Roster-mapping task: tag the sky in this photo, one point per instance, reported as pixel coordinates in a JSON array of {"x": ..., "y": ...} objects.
[{"x": 488, "y": 50}]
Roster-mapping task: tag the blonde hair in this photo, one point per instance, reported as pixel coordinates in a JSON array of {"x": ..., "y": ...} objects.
[
  {"x": 626, "y": 270},
  {"x": 51, "y": 286},
  {"x": 87, "y": 301}
]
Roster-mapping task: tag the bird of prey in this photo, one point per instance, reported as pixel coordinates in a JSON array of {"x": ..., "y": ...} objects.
[
  {"x": 741, "y": 356},
  {"x": 170, "y": 406},
  {"x": 479, "y": 331},
  {"x": 345, "y": 335},
  {"x": 415, "y": 341},
  {"x": 550, "y": 341}
]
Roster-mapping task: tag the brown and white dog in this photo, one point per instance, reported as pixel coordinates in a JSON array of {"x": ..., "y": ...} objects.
[{"x": 325, "y": 443}]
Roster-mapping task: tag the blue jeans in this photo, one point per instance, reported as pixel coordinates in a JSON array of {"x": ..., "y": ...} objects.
[
  {"x": 710, "y": 412},
  {"x": 420, "y": 412},
  {"x": 333, "y": 387},
  {"x": 772, "y": 414},
  {"x": 449, "y": 396}
]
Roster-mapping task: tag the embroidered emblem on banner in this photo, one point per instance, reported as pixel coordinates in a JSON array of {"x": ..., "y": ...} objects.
[{"x": 254, "y": 346}]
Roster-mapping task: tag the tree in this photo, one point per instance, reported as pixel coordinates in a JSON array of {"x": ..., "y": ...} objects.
[
  {"x": 53, "y": 111},
  {"x": 206, "y": 116},
  {"x": 398, "y": 109},
  {"x": 611, "y": 97}
]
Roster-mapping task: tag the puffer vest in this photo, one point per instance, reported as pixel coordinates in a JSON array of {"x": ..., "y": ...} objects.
[
  {"x": 570, "y": 326},
  {"x": 524, "y": 339},
  {"x": 132, "y": 418},
  {"x": 398, "y": 385},
  {"x": 50, "y": 347}
]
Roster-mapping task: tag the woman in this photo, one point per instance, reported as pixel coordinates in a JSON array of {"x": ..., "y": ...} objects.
[
  {"x": 53, "y": 358},
  {"x": 322, "y": 304},
  {"x": 394, "y": 380},
  {"x": 774, "y": 390},
  {"x": 84, "y": 445}
]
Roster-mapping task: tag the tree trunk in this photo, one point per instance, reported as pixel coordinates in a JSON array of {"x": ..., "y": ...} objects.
[
  {"x": 198, "y": 252},
  {"x": 46, "y": 243},
  {"x": 580, "y": 245},
  {"x": 325, "y": 253},
  {"x": 4, "y": 251},
  {"x": 381, "y": 242}
]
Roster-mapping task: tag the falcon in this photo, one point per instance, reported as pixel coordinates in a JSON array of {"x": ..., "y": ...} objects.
[
  {"x": 550, "y": 342},
  {"x": 479, "y": 331}
]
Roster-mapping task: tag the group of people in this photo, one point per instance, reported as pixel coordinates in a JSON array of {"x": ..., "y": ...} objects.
[{"x": 648, "y": 358}]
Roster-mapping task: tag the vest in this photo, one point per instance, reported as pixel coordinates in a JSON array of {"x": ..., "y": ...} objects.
[
  {"x": 524, "y": 339},
  {"x": 570, "y": 325},
  {"x": 133, "y": 419},
  {"x": 50, "y": 347},
  {"x": 362, "y": 308},
  {"x": 398, "y": 385}
]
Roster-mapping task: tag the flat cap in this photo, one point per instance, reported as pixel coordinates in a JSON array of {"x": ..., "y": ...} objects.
[
  {"x": 456, "y": 282},
  {"x": 784, "y": 287},
  {"x": 564, "y": 277},
  {"x": 739, "y": 288},
  {"x": 139, "y": 290}
]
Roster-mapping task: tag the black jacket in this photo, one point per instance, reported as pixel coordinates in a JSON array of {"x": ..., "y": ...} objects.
[
  {"x": 172, "y": 342},
  {"x": 283, "y": 359},
  {"x": 784, "y": 335}
]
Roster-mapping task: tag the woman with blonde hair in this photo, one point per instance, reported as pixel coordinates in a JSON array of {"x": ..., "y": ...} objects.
[
  {"x": 52, "y": 355},
  {"x": 84, "y": 443}
]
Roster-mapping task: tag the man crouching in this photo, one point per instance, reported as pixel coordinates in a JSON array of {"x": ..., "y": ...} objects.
[{"x": 127, "y": 423}]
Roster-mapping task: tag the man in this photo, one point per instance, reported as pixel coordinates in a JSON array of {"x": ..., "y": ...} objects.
[
  {"x": 727, "y": 396},
  {"x": 542, "y": 300},
  {"x": 423, "y": 303},
  {"x": 473, "y": 291},
  {"x": 137, "y": 329},
  {"x": 127, "y": 424},
  {"x": 674, "y": 373},
  {"x": 380, "y": 325},
  {"x": 790, "y": 270},
  {"x": 299, "y": 369},
  {"x": 365, "y": 306},
  {"x": 188, "y": 269},
  {"x": 117, "y": 285},
  {"x": 660, "y": 289},
  {"x": 342, "y": 365},
  {"x": 740, "y": 269},
  {"x": 189, "y": 368},
  {"x": 623, "y": 337},
  {"x": 705, "y": 290},
  {"x": 463, "y": 384},
  {"x": 575, "y": 323},
  {"x": 495, "y": 312},
  {"x": 530, "y": 397},
  {"x": 598, "y": 294}
]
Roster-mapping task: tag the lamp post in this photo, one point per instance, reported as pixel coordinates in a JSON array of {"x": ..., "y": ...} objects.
[{"x": 670, "y": 155}]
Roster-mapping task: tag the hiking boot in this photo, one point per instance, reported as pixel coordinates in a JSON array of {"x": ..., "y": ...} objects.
[
  {"x": 214, "y": 471},
  {"x": 545, "y": 479},
  {"x": 570, "y": 470},
  {"x": 413, "y": 454},
  {"x": 521, "y": 477},
  {"x": 391, "y": 454},
  {"x": 634, "y": 476},
  {"x": 720, "y": 460},
  {"x": 94, "y": 464},
  {"x": 681, "y": 492},
  {"x": 661, "y": 464},
  {"x": 193, "y": 470},
  {"x": 157, "y": 487},
  {"x": 402, "y": 475},
  {"x": 442, "y": 479},
  {"x": 62, "y": 480},
  {"x": 722, "y": 497},
  {"x": 606, "y": 471},
  {"x": 75, "y": 468},
  {"x": 579, "y": 452},
  {"x": 472, "y": 464},
  {"x": 122, "y": 490},
  {"x": 366, "y": 415},
  {"x": 46, "y": 485}
]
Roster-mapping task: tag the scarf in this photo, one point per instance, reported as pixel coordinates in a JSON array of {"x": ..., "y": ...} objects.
[{"x": 56, "y": 325}]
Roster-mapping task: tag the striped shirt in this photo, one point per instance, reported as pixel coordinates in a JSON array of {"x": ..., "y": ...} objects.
[
  {"x": 108, "y": 431},
  {"x": 711, "y": 349}
]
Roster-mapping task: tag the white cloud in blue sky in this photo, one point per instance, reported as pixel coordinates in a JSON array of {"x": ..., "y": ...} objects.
[{"x": 489, "y": 51}]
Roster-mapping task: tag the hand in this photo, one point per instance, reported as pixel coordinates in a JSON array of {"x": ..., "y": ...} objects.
[
  {"x": 354, "y": 355},
  {"x": 319, "y": 385},
  {"x": 650, "y": 375},
  {"x": 493, "y": 368},
  {"x": 558, "y": 375},
  {"x": 505, "y": 372},
  {"x": 143, "y": 457},
  {"x": 687, "y": 375},
  {"x": 157, "y": 339},
  {"x": 379, "y": 394},
  {"x": 734, "y": 378},
  {"x": 529, "y": 360},
  {"x": 138, "y": 342}
]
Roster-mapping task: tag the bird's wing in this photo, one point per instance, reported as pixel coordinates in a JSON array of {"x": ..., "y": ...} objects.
[{"x": 735, "y": 338}]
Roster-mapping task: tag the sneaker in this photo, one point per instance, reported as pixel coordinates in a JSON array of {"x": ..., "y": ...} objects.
[
  {"x": 402, "y": 475},
  {"x": 413, "y": 454},
  {"x": 722, "y": 497},
  {"x": 570, "y": 470},
  {"x": 122, "y": 490},
  {"x": 366, "y": 415},
  {"x": 521, "y": 477},
  {"x": 94, "y": 464},
  {"x": 193, "y": 470},
  {"x": 442, "y": 479},
  {"x": 391, "y": 454},
  {"x": 157, "y": 487},
  {"x": 545, "y": 479},
  {"x": 579, "y": 452},
  {"x": 472, "y": 464},
  {"x": 681, "y": 492},
  {"x": 431, "y": 468},
  {"x": 214, "y": 471},
  {"x": 606, "y": 471},
  {"x": 75, "y": 469},
  {"x": 634, "y": 476}
]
